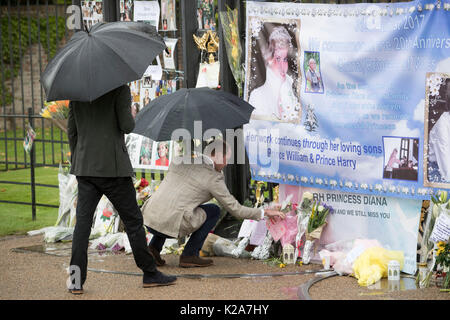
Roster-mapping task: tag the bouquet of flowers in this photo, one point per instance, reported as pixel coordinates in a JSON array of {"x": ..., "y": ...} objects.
[
  {"x": 142, "y": 189},
  {"x": 58, "y": 112},
  {"x": 317, "y": 221},
  {"x": 303, "y": 213},
  {"x": 443, "y": 261},
  {"x": 434, "y": 237},
  {"x": 229, "y": 20}
]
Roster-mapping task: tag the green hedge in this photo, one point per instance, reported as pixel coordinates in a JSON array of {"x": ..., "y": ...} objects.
[{"x": 11, "y": 50}]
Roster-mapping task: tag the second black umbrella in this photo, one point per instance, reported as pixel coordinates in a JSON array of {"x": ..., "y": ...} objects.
[{"x": 215, "y": 109}]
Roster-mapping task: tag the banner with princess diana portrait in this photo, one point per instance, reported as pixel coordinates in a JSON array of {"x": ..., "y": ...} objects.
[{"x": 354, "y": 97}]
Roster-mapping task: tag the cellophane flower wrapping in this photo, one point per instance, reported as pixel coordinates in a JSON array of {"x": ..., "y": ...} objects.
[
  {"x": 285, "y": 229},
  {"x": 230, "y": 27},
  {"x": 439, "y": 204},
  {"x": 316, "y": 223},
  {"x": 303, "y": 213},
  {"x": 58, "y": 112},
  {"x": 262, "y": 252}
]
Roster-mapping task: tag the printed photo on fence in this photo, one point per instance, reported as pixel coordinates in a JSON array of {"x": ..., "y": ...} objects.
[
  {"x": 147, "y": 154},
  {"x": 437, "y": 130},
  {"x": 153, "y": 89},
  {"x": 401, "y": 156},
  {"x": 147, "y": 11},
  {"x": 92, "y": 13},
  {"x": 135, "y": 89},
  {"x": 273, "y": 58},
  {"x": 126, "y": 10},
  {"x": 162, "y": 154},
  {"x": 206, "y": 14},
  {"x": 169, "y": 58},
  {"x": 168, "y": 15}
]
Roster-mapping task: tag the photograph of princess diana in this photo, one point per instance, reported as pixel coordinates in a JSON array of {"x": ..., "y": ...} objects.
[
  {"x": 437, "y": 131},
  {"x": 273, "y": 81}
]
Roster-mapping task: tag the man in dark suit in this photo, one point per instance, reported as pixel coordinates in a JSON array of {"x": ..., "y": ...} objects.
[{"x": 101, "y": 164}]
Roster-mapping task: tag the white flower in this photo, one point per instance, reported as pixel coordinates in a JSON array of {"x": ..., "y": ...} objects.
[
  {"x": 307, "y": 195},
  {"x": 434, "y": 91},
  {"x": 320, "y": 208}
]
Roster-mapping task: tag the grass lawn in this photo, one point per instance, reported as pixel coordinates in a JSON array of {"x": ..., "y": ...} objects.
[{"x": 16, "y": 219}]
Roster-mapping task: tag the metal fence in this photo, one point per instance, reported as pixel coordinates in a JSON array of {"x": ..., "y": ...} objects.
[{"x": 31, "y": 32}]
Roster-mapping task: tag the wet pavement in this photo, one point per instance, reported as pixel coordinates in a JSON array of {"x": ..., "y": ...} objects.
[{"x": 115, "y": 276}]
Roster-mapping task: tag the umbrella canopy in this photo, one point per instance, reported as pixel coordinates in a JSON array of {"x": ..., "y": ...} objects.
[
  {"x": 215, "y": 108},
  {"x": 95, "y": 62}
]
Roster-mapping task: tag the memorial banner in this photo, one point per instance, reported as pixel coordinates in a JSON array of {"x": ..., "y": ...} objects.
[
  {"x": 354, "y": 97},
  {"x": 392, "y": 221}
]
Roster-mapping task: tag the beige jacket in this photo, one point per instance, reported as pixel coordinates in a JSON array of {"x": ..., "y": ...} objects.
[{"x": 173, "y": 209}]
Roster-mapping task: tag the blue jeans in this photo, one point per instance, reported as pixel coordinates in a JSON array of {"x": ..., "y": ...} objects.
[{"x": 197, "y": 238}]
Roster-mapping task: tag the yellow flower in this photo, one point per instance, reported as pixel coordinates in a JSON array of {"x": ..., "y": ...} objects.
[
  {"x": 300, "y": 263},
  {"x": 441, "y": 244},
  {"x": 46, "y": 114},
  {"x": 235, "y": 53},
  {"x": 282, "y": 265}
]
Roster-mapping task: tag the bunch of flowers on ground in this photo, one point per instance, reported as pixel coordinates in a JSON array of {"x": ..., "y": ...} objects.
[
  {"x": 316, "y": 223},
  {"x": 443, "y": 261},
  {"x": 434, "y": 255}
]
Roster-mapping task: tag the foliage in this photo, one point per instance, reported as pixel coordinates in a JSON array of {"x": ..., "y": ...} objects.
[{"x": 16, "y": 37}]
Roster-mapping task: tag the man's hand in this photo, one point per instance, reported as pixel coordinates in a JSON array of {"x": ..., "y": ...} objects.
[{"x": 272, "y": 214}]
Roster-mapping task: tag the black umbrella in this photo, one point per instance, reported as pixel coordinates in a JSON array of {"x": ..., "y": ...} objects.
[
  {"x": 95, "y": 62},
  {"x": 215, "y": 108}
]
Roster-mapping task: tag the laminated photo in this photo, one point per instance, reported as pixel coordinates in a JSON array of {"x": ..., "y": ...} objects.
[
  {"x": 169, "y": 58},
  {"x": 147, "y": 11},
  {"x": 126, "y": 10},
  {"x": 168, "y": 15},
  {"x": 206, "y": 15},
  {"x": 92, "y": 13},
  {"x": 162, "y": 154}
]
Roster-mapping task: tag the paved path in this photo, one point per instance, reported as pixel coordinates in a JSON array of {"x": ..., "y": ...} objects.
[{"x": 42, "y": 276}]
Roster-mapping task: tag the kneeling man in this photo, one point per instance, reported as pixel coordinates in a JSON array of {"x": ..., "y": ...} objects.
[{"x": 178, "y": 208}]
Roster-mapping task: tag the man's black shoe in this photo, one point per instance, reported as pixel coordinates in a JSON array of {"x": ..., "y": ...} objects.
[{"x": 157, "y": 279}]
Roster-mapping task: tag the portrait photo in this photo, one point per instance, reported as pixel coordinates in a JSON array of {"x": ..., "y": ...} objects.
[
  {"x": 147, "y": 95},
  {"x": 168, "y": 21},
  {"x": 145, "y": 156},
  {"x": 162, "y": 153},
  {"x": 126, "y": 10},
  {"x": 206, "y": 15},
  {"x": 273, "y": 78},
  {"x": 92, "y": 12},
  {"x": 401, "y": 156},
  {"x": 437, "y": 130},
  {"x": 313, "y": 77}
]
